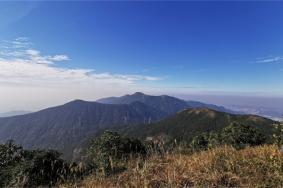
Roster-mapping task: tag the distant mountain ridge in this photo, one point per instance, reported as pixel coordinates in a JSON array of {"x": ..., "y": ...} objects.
[
  {"x": 164, "y": 103},
  {"x": 168, "y": 104},
  {"x": 197, "y": 104}
]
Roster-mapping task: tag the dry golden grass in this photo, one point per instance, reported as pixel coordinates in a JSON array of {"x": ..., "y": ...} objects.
[{"x": 221, "y": 167}]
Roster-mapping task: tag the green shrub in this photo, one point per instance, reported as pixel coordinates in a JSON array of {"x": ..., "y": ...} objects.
[
  {"x": 200, "y": 142},
  {"x": 111, "y": 147}
]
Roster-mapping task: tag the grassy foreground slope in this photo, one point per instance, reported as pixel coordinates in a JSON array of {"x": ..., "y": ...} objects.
[{"x": 260, "y": 166}]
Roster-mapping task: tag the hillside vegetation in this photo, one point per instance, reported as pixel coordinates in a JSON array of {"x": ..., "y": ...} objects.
[
  {"x": 239, "y": 157},
  {"x": 186, "y": 124},
  {"x": 225, "y": 158}
]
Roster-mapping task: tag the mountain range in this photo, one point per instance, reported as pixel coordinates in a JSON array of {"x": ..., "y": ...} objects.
[{"x": 67, "y": 126}]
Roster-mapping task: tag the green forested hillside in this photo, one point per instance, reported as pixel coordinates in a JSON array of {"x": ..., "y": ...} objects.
[{"x": 186, "y": 124}]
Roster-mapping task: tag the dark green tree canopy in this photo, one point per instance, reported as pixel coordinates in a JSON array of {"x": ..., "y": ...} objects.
[
  {"x": 236, "y": 135},
  {"x": 240, "y": 136},
  {"x": 30, "y": 168}
]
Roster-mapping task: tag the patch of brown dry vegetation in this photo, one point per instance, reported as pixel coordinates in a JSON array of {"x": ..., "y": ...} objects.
[
  {"x": 255, "y": 118},
  {"x": 252, "y": 167},
  {"x": 208, "y": 112}
]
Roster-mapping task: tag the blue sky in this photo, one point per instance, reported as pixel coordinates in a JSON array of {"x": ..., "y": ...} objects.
[{"x": 158, "y": 47}]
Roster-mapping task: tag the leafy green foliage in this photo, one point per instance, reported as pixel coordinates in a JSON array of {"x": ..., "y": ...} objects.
[
  {"x": 200, "y": 142},
  {"x": 30, "y": 168},
  {"x": 11, "y": 160},
  {"x": 240, "y": 136},
  {"x": 205, "y": 140},
  {"x": 111, "y": 147},
  {"x": 278, "y": 134},
  {"x": 236, "y": 135},
  {"x": 45, "y": 168}
]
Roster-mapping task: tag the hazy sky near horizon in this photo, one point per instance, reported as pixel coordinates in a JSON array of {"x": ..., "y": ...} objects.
[{"x": 53, "y": 52}]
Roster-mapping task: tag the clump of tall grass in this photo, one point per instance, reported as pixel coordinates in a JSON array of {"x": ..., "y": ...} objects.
[{"x": 260, "y": 166}]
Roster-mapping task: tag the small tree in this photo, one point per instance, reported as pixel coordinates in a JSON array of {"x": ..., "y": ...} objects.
[
  {"x": 111, "y": 147},
  {"x": 205, "y": 140},
  {"x": 106, "y": 147}
]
